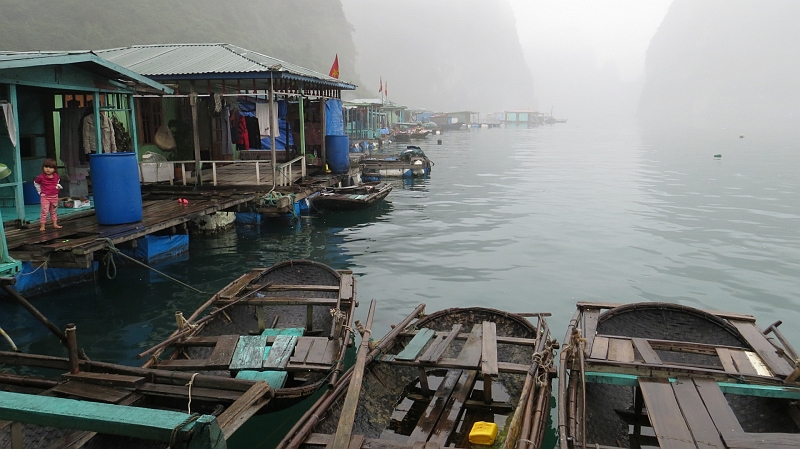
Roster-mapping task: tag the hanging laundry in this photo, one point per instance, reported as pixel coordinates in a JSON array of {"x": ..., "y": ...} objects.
[
  {"x": 71, "y": 136},
  {"x": 262, "y": 113},
  {"x": 90, "y": 137},
  {"x": 254, "y": 138},
  {"x": 8, "y": 112}
]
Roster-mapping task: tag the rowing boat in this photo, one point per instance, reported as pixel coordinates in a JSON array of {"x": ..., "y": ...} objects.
[
  {"x": 288, "y": 325},
  {"x": 672, "y": 376},
  {"x": 344, "y": 199},
  {"x": 434, "y": 381}
]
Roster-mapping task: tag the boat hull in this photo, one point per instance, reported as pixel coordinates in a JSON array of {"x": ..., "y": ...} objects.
[
  {"x": 659, "y": 357},
  {"x": 393, "y": 399},
  {"x": 348, "y": 199}
]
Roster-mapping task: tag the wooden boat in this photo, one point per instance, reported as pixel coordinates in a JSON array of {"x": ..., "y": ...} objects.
[
  {"x": 426, "y": 383},
  {"x": 411, "y": 163},
  {"x": 351, "y": 198},
  {"x": 671, "y": 376},
  {"x": 98, "y": 405},
  {"x": 287, "y": 325}
]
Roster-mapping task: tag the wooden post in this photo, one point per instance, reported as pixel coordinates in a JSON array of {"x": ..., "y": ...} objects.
[
  {"x": 345, "y": 429},
  {"x": 302, "y": 123},
  {"x": 323, "y": 127},
  {"x": 98, "y": 131},
  {"x": 198, "y": 180},
  {"x": 72, "y": 349},
  {"x": 272, "y": 122},
  {"x": 16, "y": 435},
  {"x": 35, "y": 312}
]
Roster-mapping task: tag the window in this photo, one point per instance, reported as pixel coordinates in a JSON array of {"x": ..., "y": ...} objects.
[{"x": 151, "y": 117}]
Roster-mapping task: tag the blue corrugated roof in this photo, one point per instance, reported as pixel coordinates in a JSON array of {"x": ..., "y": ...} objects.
[
  {"x": 201, "y": 61},
  {"x": 15, "y": 60}
]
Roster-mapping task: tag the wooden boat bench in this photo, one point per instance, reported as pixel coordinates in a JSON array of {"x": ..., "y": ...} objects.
[
  {"x": 692, "y": 412},
  {"x": 479, "y": 351},
  {"x": 763, "y": 360}
]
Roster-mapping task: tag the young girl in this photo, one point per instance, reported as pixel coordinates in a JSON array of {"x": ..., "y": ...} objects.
[{"x": 48, "y": 185}]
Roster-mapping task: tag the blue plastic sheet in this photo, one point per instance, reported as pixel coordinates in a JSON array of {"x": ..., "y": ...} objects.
[
  {"x": 280, "y": 141},
  {"x": 151, "y": 248},
  {"x": 36, "y": 278},
  {"x": 334, "y": 125}
]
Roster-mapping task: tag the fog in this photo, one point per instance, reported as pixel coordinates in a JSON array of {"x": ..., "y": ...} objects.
[{"x": 587, "y": 57}]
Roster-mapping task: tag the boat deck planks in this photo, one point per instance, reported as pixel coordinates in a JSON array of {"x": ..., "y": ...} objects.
[
  {"x": 437, "y": 405},
  {"x": 700, "y": 423},
  {"x": 249, "y": 352},
  {"x": 416, "y": 344},
  {"x": 279, "y": 352},
  {"x": 763, "y": 347},
  {"x": 440, "y": 344},
  {"x": 243, "y": 408},
  {"x": 223, "y": 351},
  {"x": 665, "y": 415},
  {"x": 620, "y": 350},
  {"x": 646, "y": 351},
  {"x": 91, "y": 392}
]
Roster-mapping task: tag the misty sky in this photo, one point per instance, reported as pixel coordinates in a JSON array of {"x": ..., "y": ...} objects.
[{"x": 587, "y": 56}]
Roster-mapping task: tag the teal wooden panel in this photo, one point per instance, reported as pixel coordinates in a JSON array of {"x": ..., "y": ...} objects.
[
  {"x": 280, "y": 351},
  {"x": 416, "y": 344},
  {"x": 249, "y": 352},
  {"x": 296, "y": 331},
  {"x": 139, "y": 422},
  {"x": 275, "y": 379}
]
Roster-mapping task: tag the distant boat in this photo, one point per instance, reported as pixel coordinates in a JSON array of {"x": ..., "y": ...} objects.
[
  {"x": 342, "y": 199},
  {"x": 411, "y": 163}
]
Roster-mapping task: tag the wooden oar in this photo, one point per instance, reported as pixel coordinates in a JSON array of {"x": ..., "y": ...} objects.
[{"x": 342, "y": 438}]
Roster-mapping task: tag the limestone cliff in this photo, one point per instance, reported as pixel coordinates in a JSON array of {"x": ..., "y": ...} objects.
[{"x": 724, "y": 63}]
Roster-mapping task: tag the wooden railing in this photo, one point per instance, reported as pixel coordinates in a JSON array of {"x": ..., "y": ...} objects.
[{"x": 283, "y": 172}]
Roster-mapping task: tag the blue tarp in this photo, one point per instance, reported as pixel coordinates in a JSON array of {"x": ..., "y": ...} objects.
[
  {"x": 334, "y": 125},
  {"x": 33, "y": 279},
  {"x": 280, "y": 141},
  {"x": 248, "y": 109},
  {"x": 151, "y": 248}
]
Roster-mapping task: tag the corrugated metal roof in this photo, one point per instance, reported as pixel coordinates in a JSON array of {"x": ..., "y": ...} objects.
[
  {"x": 206, "y": 59},
  {"x": 85, "y": 58}
]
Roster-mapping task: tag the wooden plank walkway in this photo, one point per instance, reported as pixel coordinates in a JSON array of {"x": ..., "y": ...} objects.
[{"x": 74, "y": 245}]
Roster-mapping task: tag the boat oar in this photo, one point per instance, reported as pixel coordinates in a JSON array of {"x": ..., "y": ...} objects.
[
  {"x": 342, "y": 438},
  {"x": 6, "y": 283},
  {"x": 299, "y": 432}
]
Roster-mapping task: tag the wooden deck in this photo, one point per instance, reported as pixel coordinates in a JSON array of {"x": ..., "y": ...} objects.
[{"x": 74, "y": 245}]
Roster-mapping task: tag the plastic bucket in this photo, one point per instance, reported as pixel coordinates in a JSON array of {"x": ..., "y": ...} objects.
[
  {"x": 29, "y": 194},
  {"x": 116, "y": 189},
  {"x": 337, "y": 150}
]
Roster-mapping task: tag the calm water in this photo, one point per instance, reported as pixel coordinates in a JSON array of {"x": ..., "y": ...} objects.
[{"x": 520, "y": 220}]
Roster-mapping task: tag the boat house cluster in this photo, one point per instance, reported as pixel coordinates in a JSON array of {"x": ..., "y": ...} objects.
[{"x": 220, "y": 126}]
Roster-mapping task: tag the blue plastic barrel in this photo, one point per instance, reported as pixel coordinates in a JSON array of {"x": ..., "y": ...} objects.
[
  {"x": 29, "y": 194},
  {"x": 337, "y": 153},
  {"x": 116, "y": 189}
]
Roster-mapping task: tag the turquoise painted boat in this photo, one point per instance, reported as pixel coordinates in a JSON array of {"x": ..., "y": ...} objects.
[
  {"x": 667, "y": 375},
  {"x": 287, "y": 325},
  {"x": 104, "y": 405}
]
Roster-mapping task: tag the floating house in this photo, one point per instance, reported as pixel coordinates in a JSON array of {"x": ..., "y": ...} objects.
[
  {"x": 396, "y": 113},
  {"x": 522, "y": 118},
  {"x": 364, "y": 118},
  {"x": 170, "y": 106},
  {"x": 456, "y": 120}
]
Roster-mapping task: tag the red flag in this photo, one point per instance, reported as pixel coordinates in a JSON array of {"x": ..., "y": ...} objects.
[
  {"x": 335, "y": 68},
  {"x": 380, "y": 89}
]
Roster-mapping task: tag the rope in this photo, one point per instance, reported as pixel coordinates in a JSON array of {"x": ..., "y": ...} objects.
[
  {"x": 173, "y": 438},
  {"x": 113, "y": 249},
  {"x": 272, "y": 198},
  {"x": 43, "y": 265},
  {"x": 189, "y": 405},
  {"x": 108, "y": 260}
]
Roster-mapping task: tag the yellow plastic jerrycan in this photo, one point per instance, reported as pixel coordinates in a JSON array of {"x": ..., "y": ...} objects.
[{"x": 483, "y": 433}]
